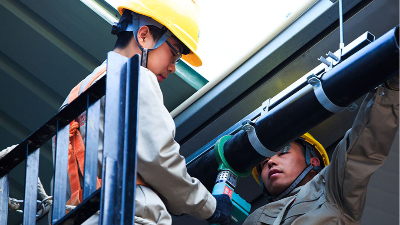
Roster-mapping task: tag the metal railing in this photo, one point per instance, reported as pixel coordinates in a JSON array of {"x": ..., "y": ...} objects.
[{"x": 116, "y": 195}]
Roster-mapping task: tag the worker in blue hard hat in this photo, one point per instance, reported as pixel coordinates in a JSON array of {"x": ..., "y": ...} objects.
[{"x": 303, "y": 187}]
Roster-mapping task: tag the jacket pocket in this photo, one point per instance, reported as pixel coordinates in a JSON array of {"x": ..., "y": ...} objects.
[
  {"x": 266, "y": 219},
  {"x": 269, "y": 214},
  {"x": 302, "y": 207}
]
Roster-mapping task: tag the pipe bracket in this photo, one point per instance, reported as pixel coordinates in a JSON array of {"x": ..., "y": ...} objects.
[
  {"x": 315, "y": 82},
  {"x": 247, "y": 126}
]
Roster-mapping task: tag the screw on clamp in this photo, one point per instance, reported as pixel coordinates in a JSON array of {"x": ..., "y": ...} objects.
[
  {"x": 313, "y": 80},
  {"x": 247, "y": 125}
]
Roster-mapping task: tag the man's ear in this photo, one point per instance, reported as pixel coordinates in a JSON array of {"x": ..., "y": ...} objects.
[
  {"x": 315, "y": 161},
  {"x": 143, "y": 34}
]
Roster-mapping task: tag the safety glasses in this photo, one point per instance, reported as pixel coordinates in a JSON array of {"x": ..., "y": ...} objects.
[{"x": 177, "y": 56}]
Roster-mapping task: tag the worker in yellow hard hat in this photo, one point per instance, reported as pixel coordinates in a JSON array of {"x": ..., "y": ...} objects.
[
  {"x": 311, "y": 158},
  {"x": 167, "y": 20},
  {"x": 162, "y": 32},
  {"x": 303, "y": 186}
]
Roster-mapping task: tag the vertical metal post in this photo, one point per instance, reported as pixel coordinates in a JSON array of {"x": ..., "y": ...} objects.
[
  {"x": 114, "y": 125},
  {"x": 91, "y": 151},
  {"x": 130, "y": 142},
  {"x": 4, "y": 194},
  {"x": 31, "y": 186},
  {"x": 60, "y": 173},
  {"x": 341, "y": 44}
]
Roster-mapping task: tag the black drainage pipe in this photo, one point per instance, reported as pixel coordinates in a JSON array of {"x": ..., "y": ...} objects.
[{"x": 345, "y": 83}]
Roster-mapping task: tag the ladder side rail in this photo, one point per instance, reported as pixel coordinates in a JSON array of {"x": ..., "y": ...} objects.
[
  {"x": 31, "y": 186},
  {"x": 130, "y": 142},
  {"x": 114, "y": 123}
]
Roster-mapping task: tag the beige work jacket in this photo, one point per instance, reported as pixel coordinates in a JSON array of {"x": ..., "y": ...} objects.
[
  {"x": 337, "y": 194},
  {"x": 159, "y": 163}
]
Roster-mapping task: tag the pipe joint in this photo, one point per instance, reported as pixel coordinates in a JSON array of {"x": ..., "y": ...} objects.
[{"x": 221, "y": 160}]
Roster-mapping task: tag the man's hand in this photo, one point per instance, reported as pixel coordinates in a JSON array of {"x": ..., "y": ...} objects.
[{"x": 223, "y": 211}]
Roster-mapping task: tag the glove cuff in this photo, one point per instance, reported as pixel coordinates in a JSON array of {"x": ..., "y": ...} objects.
[{"x": 222, "y": 214}]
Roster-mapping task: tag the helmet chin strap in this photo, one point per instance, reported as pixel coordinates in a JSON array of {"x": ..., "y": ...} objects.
[
  {"x": 134, "y": 25},
  {"x": 145, "y": 56},
  {"x": 139, "y": 21}
]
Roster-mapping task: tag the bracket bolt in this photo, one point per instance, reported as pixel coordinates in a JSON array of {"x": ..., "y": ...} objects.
[{"x": 313, "y": 81}]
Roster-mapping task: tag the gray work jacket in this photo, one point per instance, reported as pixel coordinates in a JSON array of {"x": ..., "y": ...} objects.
[{"x": 337, "y": 194}]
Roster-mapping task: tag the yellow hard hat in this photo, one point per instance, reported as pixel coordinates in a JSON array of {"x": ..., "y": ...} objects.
[
  {"x": 179, "y": 16},
  {"x": 311, "y": 140},
  {"x": 320, "y": 149}
]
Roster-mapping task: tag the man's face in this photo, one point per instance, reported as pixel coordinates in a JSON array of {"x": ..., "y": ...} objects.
[
  {"x": 162, "y": 59},
  {"x": 279, "y": 171}
]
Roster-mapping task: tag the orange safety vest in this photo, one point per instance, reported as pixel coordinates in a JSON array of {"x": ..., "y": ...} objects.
[{"x": 76, "y": 154}]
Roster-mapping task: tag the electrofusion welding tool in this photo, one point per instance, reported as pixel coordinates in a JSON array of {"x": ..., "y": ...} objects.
[{"x": 226, "y": 182}]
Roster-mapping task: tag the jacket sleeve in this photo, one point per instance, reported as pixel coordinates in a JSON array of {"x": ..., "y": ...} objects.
[
  {"x": 362, "y": 151},
  {"x": 159, "y": 162}
]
